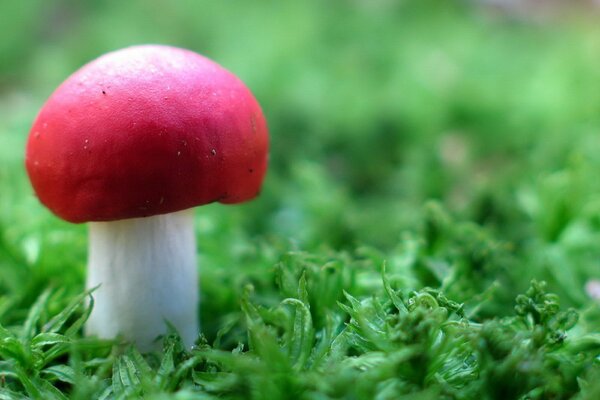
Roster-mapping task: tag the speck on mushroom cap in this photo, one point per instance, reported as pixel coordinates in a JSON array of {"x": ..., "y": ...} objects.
[{"x": 143, "y": 131}]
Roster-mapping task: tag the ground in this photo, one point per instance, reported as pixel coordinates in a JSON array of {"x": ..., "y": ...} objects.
[{"x": 427, "y": 229}]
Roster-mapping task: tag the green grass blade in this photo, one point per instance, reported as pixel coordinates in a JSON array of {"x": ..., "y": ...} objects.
[
  {"x": 63, "y": 373},
  {"x": 35, "y": 313},
  {"x": 57, "y": 322},
  {"x": 45, "y": 339}
]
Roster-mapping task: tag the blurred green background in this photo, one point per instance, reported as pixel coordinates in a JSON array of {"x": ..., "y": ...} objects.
[{"x": 374, "y": 107}]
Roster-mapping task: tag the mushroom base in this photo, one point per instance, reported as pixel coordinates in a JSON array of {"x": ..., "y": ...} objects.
[{"x": 147, "y": 276}]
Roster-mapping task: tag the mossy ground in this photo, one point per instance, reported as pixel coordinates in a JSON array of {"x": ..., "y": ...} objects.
[{"x": 431, "y": 164}]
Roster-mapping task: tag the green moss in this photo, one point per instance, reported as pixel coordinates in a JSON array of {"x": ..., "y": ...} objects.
[{"x": 456, "y": 147}]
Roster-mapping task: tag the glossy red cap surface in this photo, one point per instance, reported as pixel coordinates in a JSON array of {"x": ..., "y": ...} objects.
[{"x": 143, "y": 131}]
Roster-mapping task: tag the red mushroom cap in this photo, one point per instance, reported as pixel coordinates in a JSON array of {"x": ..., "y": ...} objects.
[{"x": 143, "y": 131}]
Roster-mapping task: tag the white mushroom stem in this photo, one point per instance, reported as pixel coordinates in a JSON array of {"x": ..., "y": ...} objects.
[{"x": 146, "y": 269}]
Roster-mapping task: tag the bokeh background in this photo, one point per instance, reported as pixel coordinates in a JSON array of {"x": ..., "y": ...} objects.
[{"x": 491, "y": 109}]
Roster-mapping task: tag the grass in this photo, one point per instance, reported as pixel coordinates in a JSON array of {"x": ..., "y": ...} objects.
[{"x": 427, "y": 228}]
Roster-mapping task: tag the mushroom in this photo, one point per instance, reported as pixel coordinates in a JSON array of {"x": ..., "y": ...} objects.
[{"x": 130, "y": 143}]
